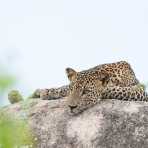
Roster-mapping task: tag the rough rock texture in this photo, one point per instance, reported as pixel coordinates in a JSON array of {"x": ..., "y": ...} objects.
[{"x": 109, "y": 124}]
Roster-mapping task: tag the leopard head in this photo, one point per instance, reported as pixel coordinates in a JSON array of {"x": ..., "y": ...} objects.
[{"x": 85, "y": 89}]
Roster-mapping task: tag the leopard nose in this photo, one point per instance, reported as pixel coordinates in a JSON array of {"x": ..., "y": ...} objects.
[{"x": 72, "y": 107}]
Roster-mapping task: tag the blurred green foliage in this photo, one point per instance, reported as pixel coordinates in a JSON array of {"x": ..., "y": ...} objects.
[
  {"x": 14, "y": 96},
  {"x": 6, "y": 80},
  {"x": 14, "y": 133}
]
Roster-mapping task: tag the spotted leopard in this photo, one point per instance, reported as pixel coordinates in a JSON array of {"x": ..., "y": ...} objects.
[{"x": 113, "y": 81}]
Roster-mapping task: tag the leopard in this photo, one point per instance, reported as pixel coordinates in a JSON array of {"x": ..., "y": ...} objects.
[
  {"x": 106, "y": 81},
  {"x": 118, "y": 77}
]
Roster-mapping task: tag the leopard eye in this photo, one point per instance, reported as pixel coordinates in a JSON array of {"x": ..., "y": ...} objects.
[{"x": 85, "y": 91}]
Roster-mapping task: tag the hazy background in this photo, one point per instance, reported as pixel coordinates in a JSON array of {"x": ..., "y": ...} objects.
[{"x": 40, "y": 38}]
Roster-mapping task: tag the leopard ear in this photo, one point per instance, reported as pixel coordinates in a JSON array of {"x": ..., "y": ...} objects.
[{"x": 71, "y": 73}]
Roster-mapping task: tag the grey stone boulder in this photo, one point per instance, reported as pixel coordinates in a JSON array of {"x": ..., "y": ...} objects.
[{"x": 109, "y": 124}]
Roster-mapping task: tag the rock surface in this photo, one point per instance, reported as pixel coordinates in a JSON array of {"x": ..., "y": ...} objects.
[{"x": 109, "y": 124}]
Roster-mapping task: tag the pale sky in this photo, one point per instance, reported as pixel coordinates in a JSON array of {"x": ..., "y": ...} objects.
[{"x": 40, "y": 38}]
